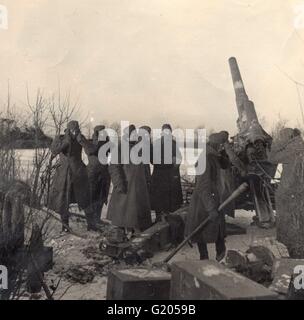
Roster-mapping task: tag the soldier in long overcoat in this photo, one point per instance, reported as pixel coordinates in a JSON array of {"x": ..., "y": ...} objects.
[
  {"x": 129, "y": 206},
  {"x": 98, "y": 173},
  {"x": 206, "y": 199},
  {"x": 70, "y": 182},
  {"x": 166, "y": 189},
  {"x": 288, "y": 150},
  {"x": 145, "y": 137}
]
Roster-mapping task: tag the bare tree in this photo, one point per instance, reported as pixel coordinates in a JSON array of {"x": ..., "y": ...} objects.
[
  {"x": 8, "y": 158},
  {"x": 39, "y": 117},
  {"x": 62, "y": 109}
]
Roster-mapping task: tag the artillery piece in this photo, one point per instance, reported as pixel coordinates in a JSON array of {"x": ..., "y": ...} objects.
[{"x": 250, "y": 145}]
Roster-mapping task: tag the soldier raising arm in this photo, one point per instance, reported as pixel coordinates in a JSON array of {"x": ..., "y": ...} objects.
[{"x": 206, "y": 199}]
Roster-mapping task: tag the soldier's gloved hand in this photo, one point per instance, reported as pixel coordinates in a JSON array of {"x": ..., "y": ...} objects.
[{"x": 213, "y": 215}]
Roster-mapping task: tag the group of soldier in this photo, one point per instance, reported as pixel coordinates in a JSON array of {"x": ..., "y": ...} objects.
[{"x": 137, "y": 191}]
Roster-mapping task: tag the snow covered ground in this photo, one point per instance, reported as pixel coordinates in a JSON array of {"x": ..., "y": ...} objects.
[{"x": 73, "y": 255}]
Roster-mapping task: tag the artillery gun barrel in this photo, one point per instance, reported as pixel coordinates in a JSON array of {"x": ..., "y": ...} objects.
[
  {"x": 239, "y": 89},
  {"x": 246, "y": 109}
]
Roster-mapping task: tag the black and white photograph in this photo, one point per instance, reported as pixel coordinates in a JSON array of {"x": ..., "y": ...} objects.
[{"x": 151, "y": 153}]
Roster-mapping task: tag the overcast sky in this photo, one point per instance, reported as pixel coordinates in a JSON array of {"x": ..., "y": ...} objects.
[{"x": 155, "y": 61}]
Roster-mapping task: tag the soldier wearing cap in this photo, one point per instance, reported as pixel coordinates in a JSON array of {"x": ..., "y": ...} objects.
[
  {"x": 70, "y": 183},
  {"x": 129, "y": 206},
  {"x": 166, "y": 190},
  {"x": 206, "y": 199},
  {"x": 144, "y": 135}
]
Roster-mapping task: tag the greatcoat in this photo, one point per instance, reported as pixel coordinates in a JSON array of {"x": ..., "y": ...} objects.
[
  {"x": 129, "y": 206},
  {"x": 70, "y": 183},
  {"x": 206, "y": 198},
  {"x": 166, "y": 189}
]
